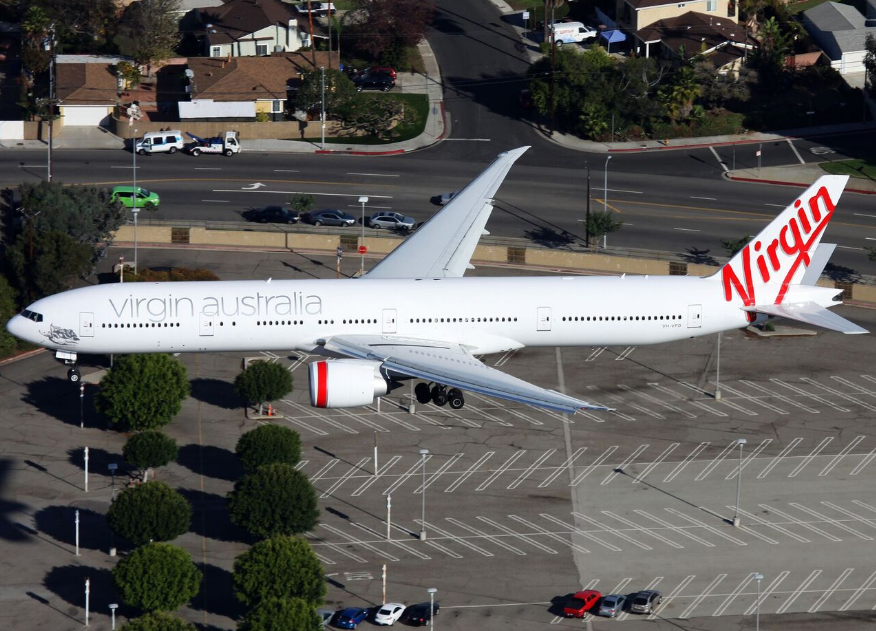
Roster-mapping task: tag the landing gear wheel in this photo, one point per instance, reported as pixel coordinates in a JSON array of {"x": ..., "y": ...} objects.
[
  {"x": 73, "y": 375},
  {"x": 439, "y": 395},
  {"x": 455, "y": 398},
  {"x": 422, "y": 392}
]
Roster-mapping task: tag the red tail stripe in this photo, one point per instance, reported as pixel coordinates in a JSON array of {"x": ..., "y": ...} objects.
[{"x": 321, "y": 384}]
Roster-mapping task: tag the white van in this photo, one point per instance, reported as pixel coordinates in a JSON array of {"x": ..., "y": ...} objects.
[
  {"x": 572, "y": 32},
  {"x": 160, "y": 142}
]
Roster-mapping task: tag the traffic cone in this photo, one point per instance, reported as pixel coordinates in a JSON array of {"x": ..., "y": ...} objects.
[{"x": 270, "y": 410}]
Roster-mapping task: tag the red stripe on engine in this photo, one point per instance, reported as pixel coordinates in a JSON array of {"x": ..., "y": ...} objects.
[{"x": 321, "y": 384}]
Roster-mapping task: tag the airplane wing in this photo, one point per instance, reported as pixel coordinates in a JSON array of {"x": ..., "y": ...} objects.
[
  {"x": 451, "y": 365},
  {"x": 443, "y": 246}
]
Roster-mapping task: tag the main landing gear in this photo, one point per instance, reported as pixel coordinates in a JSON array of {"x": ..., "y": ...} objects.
[{"x": 439, "y": 395}]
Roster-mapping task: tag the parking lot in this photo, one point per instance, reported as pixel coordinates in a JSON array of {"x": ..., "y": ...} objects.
[{"x": 522, "y": 506}]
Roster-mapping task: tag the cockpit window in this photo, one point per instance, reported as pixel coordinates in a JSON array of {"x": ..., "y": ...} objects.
[{"x": 32, "y": 315}]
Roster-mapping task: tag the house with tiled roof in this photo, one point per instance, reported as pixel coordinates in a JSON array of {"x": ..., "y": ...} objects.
[
  {"x": 841, "y": 32},
  {"x": 248, "y": 28},
  {"x": 86, "y": 92}
]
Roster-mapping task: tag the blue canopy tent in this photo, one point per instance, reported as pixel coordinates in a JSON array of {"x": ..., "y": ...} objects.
[{"x": 612, "y": 37}]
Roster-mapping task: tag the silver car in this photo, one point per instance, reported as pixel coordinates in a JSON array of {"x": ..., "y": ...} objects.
[
  {"x": 611, "y": 605},
  {"x": 391, "y": 220},
  {"x": 646, "y": 602}
]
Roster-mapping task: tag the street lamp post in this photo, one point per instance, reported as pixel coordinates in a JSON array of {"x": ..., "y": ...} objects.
[
  {"x": 740, "y": 442},
  {"x": 362, "y": 200},
  {"x": 322, "y": 114},
  {"x": 134, "y": 196},
  {"x": 605, "y": 200},
  {"x": 423, "y": 454},
  {"x": 431, "y": 591},
  {"x": 758, "y": 578},
  {"x": 113, "y": 608}
]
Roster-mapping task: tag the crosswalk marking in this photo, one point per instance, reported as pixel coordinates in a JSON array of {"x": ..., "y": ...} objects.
[
  {"x": 778, "y": 459},
  {"x": 700, "y": 597},
  {"x": 836, "y": 459},
  {"x": 504, "y": 467},
  {"x": 818, "y": 449},
  {"x": 796, "y": 593},
  {"x": 681, "y": 465}
]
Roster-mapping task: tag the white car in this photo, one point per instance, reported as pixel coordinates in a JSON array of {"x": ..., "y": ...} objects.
[
  {"x": 389, "y": 613},
  {"x": 445, "y": 198}
]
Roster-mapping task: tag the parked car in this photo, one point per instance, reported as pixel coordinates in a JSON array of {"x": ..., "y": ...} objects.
[
  {"x": 381, "y": 70},
  {"x": 389, "y": 614},
  {"x": 350, "y": 617},
  {"x": 325, "y": 616},
  {"x": 142, "y": 199},
  {"x": 374, "y": 81},
  {"x": 580, "y": 603},
  {"x": 331, "y": 218},
  {"x": 525, "y": 100},
  {"x": 391, "y": 220},
  {"x": 444, "y": 198},
  {"x": 611, "y": 605},
  {"x": 271, "y": 214},
  {"x": 646, "y": 601},
  {"x": 418, "y": 615}
]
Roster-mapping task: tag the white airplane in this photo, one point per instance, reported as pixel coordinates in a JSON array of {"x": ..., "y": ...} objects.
[{"x": 414, "y": 316}]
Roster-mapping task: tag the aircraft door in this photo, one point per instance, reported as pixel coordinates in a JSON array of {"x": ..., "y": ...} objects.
[
  {"x": 86, "y": 325},
  {"x": 544, "y": 319},
  {"x": 694, "y": 316},
  {"x": 389, "y": 321},
  {"x": 206, "y": 328}
]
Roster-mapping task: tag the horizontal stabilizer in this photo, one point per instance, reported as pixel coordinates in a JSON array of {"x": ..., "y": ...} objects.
[{"x": 810, "y": 313}]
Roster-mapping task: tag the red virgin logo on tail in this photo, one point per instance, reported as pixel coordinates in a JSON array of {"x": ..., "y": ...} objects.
[{"x": 784, "y": 254}]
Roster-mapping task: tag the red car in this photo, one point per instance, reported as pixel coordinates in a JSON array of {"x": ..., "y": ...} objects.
[
  {"x": 374, "y": 70},
  {"x": 581, "y": 603}
]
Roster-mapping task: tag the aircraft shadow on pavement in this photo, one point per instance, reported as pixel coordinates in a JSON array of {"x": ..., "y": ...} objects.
[
  {"x": 699, "y": 257},
  {"x": 673, "y": 496},
  {"x": 557, "y": 604},
  {"x": 67, "y": 582},
  {"x": 217, "y": 593},
  {"x": 537, "y": 222},
  {"x": 9, "y": 530},
  {"x": 216, "y": 392},
  {"x": 58, "y": 522},
  {"x": 550, "y": 238},
  {"x": 210, "y": 517},
  {"x": 841, "y": 273},
  {"x": 213, "y": 462},
  {"x": 58, "y": 398}
]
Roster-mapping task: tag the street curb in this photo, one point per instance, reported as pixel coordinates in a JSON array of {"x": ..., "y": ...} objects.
[
  {"x": 15, "y": 358},
  {"x": 798, "y": 184}
]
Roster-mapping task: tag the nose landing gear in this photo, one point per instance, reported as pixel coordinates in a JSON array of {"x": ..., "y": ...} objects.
[
  {"x": 73, "y": 375},
  {"x": 69, "y": 359},
  {"x": 439, "y": 395}
]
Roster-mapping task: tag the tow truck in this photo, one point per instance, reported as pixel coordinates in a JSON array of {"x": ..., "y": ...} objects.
[{"x": 228, "y": 144}]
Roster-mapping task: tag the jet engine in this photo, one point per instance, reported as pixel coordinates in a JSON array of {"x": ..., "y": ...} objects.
[{"x": 346, "y": 383}]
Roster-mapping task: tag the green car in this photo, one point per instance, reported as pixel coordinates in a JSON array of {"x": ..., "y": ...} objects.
[{"x": 145, "y": 198}]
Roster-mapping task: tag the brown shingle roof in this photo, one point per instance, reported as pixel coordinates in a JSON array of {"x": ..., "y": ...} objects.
[
  {"x": 238, "y": 18},
  {"x": 86, "y": 84}
]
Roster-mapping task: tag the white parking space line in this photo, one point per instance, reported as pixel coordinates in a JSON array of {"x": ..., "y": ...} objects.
[
  {"x": 301, "y": 465},
  {"x": 444, "y": 549},
  {"x": 711, "y": 199},
  {"x": 563, "y": 467},
  {"x": 842, "y": 395},
  {"x": 619, "y": 590},
  {"x": 357, "y": 468},
  {"x": 780, "y": 397},
  {"x": 518, "y": 535},
  {"x": 518, "y": 413},
  {"x": 613, "y": 531},
  {"x": 720, "y": 161},
  {"x": 415, "y": 468},
  {"x": 626, "y": 353},
  {"x": 674, "y": 593},
  {"x": 645, "y": 531},
  {"x": 837, "y": 523},
  {"x": 796, "y": 593},
  {"x": 216, "y": 201},
  {"x": 435, "y": 475},
  {"x": 301, "y": 359},
  {"x": 504, "y": 467},
  {"x": 491, "y": 538},
  {"x": 733, "y": 595},
  {"x": 859, "y": 592},
  {"x": 864, "y": 505},
  {"x": 338, "y": 549},
  {"x": 626, "y": 463},
  {"x": 704, "y": 525},
  {"x": 488, "y": 416},
  {"x": 286, "y": 171},
  {"x": 675, "y": 529},
  {"x": 867, "y": 459},
  {"x": 714, "y": 463},
  {"x": 581, "y": 533},
  {"x": 635, "y": 406},
  {"x": 782, "y": 454},
  {"x": 361, "y": 418},
  {"x": 654, "y": 464},
  {"x": 398, "y": 544},
  {"x": 595, "y": 353},
  {"x": 701, "y": 597},
  {"x": 393, "y": 417},
  {"x": 793, "y": 520},
  {"x": 807, "y": 459},
  {"x": 751, "y": 531},
  {"x": 351, "y": 540},
  {"x": 757, "y": 520},
  {"x": 374, "y": 478},
  {"x": 311, "y": 413},
  {"x": 593, "y": 465},
  {"x": 688, "y": 459},
  {"x": 854, "y": 386},
  {"x": 300, "y": 423},
  {"x": 864, "y": 521},
  {"x": 842, "y": 454},
  {"x": 541, "y": 531},
  {"x": 614, "y": 399},
  {"x": 428, "y": 526},
  {"x": 750, "y": 458},
  {"x": 469, "y": 472},
  {"x": 794, "y": 149},
  {"x": 528, "y": 471},
  {"x": 208, "y": 168},
  {"x": 657, "y": 401},
  {"x": 505, "y": 358},
  {"x": 814, "y": 397},
  {"x": 325, "y": 469},
  {"x": 754, "y": 400},
  {"x": 680, "y": 397},
  {"x": 767, "y": 592}
]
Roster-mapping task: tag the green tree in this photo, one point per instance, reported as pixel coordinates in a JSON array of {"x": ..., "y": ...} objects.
[
  {"x": 870, "y": 65},
  {"x": 735, "y": 245},
  {"x": 282, "y": 614},
  {"x": 149, "y": 30},
  {"x": 261, "y": 382},
  {"x": 279, "y": 567},
  {"x": 678, "y": 96},
  {"x": 388, "y": 24},
  {"x": 130, "y": 73},
  {"x": 47, "y": 263},
  {"x": 8, "y": 343},
  {"x": 601, "y": 223},
  {"x": 770, "y": 56},
  {"x": 157, "y": 577},
  {"x": 339, "y": 90},
  {"x": 275, "y": 499},
  {"x": 150, "y": 449},
  {"x": 83, "y": 212},
  {"x": 373, "y": 115},
  {"x": 143, "y": 391},
  {"x": 302, "y": 203},
  {"x": 152, "y": 511},
  {"x": 158, "y": 621},
  {"x": 269, "y": 444}
]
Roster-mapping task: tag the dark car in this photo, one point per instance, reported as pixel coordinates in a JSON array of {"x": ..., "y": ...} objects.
[
  {"x": 580, "y": 603},
  {"x": 331, "y": 218},
  {"x": 374, "y": 81},
  {"x": 418, "y": 615},
  {"x": 350, "y": 617},
  {"x": 271, "y": 214},
  {"x": 646, "y": 601},
  {"x": 381, "y": 70}
]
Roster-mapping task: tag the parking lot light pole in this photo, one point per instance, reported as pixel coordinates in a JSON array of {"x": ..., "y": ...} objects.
[
  {"x": 605, "y": 200},
  {"x": 134, "y": 196},
  {"x": 740, "y": 442},
  {"x": 322, "y": 113},
  {"x": 113, "y": 608},
  {"x": 431, "y": 591},
  {"x": 423, "y": 454},
  {"x": 362, "y": 200},
  {"x": 758, "y": 578}
]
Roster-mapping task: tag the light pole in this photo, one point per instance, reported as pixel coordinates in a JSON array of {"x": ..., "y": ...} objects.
[
  {"x": 718, "y": 371},
  {"x": 362, "y": 200},
  {"x": 135, "y": 197},
  {"x": 423, "y": 454},
  {"x": 431, "y": 591},
  {"x": 113, "y": 608},
  {"x": 758, "y": 578},
  {"x": 605, "y": 201},
  {"x": 740, "y": 442},
  {"x": 322, "y": 115}
]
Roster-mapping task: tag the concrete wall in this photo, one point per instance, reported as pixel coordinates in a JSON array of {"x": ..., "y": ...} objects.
[
  {"x": 11, "y": 130},
  {"x": 281, "y": 129}
]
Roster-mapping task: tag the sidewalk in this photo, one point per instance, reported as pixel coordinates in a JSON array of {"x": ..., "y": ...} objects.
[{"x": 797, "y": 175}]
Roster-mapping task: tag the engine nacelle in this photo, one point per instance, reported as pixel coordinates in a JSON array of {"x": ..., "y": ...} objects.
[{"x": 346, "y": 383}]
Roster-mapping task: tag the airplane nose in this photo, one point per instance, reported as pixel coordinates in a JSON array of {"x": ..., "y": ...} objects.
[{"x": 17, "y": 326}]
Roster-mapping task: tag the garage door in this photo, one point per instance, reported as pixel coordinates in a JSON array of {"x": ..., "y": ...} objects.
[{"x": 85, "y": 115}]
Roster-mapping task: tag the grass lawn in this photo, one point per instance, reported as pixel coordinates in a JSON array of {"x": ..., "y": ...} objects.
[{"x": 856, "y": 168}]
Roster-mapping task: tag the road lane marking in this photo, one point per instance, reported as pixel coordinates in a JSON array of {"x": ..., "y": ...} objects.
[
  {"x": 837, "y": 458},
  {"x": 711, "y": 199},
  {"x": 372, "y": 174},
  {"x": 460, "y": 540},
  {"x": 733, "y": 595},
  {"x": 491, "y": 538},
  {"x": 794, "y": 149},
  {"x": 675, "y": 529},
  {"x": 626, "y": 463},
  {"x": 814, "y": 397},
  {"x": 528, "y": 471},
  {"x": 858, "y": 592},
  {"x": 778, "y": 458},
  {"x": 469, "y": 472},
  {"x": 701, "y": 597},
  {"x": 780, "y": 397},
  {"x": 737, "y": 469},
  {"x": 613, "y": 531},
  {"x": 776, "y": 527},
  {"x": 793, "y": 520},
  {"x": 719, "y": 159},
  {"x": 681, "y": 465},
  {"x": 796, "y": 593},
  {"x": 360, "y": 467},
  {"x": 592, "y": 467},
  {"x": 714, "y": 463},
  {"x": 827, "y": 519},
  {"x": 547, "y": 533},
  {"x": 563, "y": 467},
  {"x": 766, "y": 593},
  {"x": 643, "y": 530},
  {"x": 238, "y": 190},
  {"x": 504, "y": 467},
  {"x": 687, "y": 230},
  {"x": 654, "y": 464},
  {"x": 374, "y": 478},
  {"x": 675, "y": 592},
  {"x": 807, "y": 459},
  {"x": 518, "y": 535}
]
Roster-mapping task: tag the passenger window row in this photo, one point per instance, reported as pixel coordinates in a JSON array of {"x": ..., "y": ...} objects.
[
  {"x": 139, "y": 325},
  {"x": 448, "y": 320},
  {"x": 366, "y": 321},
  {"x": 275, "y": 322},
  {"x": 614, "y": 318}
]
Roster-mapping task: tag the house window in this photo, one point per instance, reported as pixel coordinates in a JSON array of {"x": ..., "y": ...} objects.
[
  {"x": 261, "y": 49},
  {"x": 711, "y": 5},
  {"x": 215, "y": 51},
  {"x": 681, "y": 6},
  {"x": 276, "y": 106}
]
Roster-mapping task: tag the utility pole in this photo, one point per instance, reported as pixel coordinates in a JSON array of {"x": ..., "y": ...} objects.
[
  {"x": 312, "y": 39},
  {"x": 322, "y": 110},
  {"x": 553, "y": 71},
  {"x": 587, "y": 215}
]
